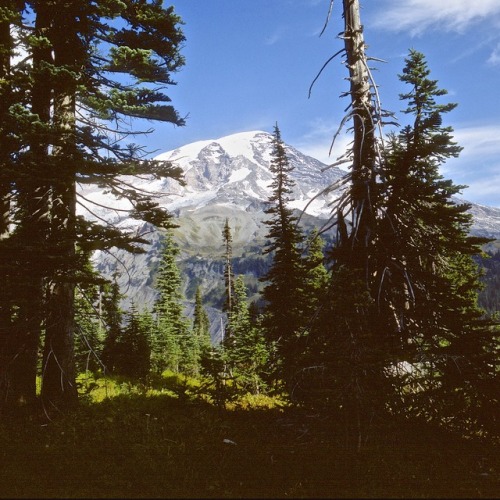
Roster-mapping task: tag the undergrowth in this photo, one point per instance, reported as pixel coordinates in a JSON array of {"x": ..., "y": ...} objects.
[{"x": 164, "y": 439}]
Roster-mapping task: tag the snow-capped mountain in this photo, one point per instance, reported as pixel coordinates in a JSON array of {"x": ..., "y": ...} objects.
[
  {"x": 486, "y": 221},
  {"x": 234, "y": 170},
  {"x": 231, "y": 173},
  {"x": 225, "y": 178}
]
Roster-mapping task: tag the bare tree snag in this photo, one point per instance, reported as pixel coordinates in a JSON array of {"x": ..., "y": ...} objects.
[{"x": 364, "y": 145}]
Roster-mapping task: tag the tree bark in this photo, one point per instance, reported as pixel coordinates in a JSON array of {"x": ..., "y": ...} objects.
[
  {"x": 364, "y": 153},
  {"x": 6, "y": 45},
  {"x": 59, "y": 374},
  {"x": 355, "y": 247}
]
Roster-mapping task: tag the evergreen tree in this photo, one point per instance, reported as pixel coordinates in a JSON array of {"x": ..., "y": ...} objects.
[
  {"x": 165, "y": 347},
  {"x": 317, "y": 276},
  {"x": 201, "y": 323},
  {"x": 240, "y": 316},
  {"x": 112, "y": 317},
  {"x": 308, "y": 381},
  {"x": 86, "y": 332},
  {"x": 228, "y": 270},
  {"x": 215, "y": 367},
  {"x": 396, "y": 294},
  {"x": 22, "y": 252},
  {"x": 283, "y": 318},
  {"x": 246, "y": 348},
  {"x": 172, "y": 346},
  {"x": 89, "y": 321},
  {"x": 133, "y": 349},
  {"x": 76, "y": 49},
  {"x": 489, "y": 297},
  {"x": 430, "y": 283}
]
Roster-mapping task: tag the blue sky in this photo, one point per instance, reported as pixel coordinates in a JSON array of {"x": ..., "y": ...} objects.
[{"x": 249, "y": 64}]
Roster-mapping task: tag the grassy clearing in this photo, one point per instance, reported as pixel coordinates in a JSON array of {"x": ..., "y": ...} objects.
[{"x": 161, "y": 442}]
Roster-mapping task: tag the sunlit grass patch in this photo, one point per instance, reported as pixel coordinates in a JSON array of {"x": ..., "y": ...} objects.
[
  {"x": 97, "y": 387},
  {"x": 257, "y": 402}
]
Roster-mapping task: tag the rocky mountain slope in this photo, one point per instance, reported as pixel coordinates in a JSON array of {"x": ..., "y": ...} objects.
[{"x": 225, "y": 178}]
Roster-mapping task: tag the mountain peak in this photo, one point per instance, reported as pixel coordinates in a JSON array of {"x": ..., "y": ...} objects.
[
  {"x": 234, "y": 145},
  {"x": 235, "y": 170}
]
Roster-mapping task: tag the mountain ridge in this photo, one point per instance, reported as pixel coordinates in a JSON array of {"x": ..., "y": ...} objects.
[{"x": 229, "y": 178}]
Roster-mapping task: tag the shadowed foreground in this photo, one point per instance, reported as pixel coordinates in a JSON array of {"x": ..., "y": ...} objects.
[{"x": 161, "y": 446}]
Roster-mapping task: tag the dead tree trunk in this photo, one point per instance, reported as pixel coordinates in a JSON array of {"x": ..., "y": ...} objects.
[
  {"x": 363, "y": 189},
  {"x": 357, "y": 228}
]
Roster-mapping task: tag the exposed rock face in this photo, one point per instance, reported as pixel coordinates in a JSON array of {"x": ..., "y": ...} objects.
[
  {"x": 486, "y": 221},
  {"x": 225, "y": 178}
]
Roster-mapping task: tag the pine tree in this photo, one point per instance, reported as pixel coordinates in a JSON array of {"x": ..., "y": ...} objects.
[
  {"x": 489, "y": 297},
  {"x": 246, "y": 348},
  {"x": 308, "y": 382},
  {"x": 166, "y": 350},
  {"x": 76, "y": 47},
  {"x": 201, "y": 323},
  {"x": 112, "y": 317},
  {"x": 172, "y": 345},
  {"x": 89, "y": 321},
  {"x": 133, "y": 349},
  {"x": 228, "y": 269},
  {"x": 429, "y": 290},
  {"x": 10, "y": 142},
  {"x": 283, "y": 319},
  {"x": 317, "y": 276},
  {"x": 22, "y": 247}
]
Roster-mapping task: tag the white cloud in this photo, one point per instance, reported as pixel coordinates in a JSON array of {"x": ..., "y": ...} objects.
[
  {"x": 484, "y": 190},
  {"x": 479, "y": 142},
  {"x": 317, "y": 142},
  {"x": 478, "y": 165},
  {"x": 272, "y": 39},
  {"x": 276, "y": 36},
  {"x": 495, "y": 56},
  {"x": 417, "y": 16}
]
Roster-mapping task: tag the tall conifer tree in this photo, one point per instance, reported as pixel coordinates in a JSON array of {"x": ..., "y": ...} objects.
[
  {"x": 316, "y": 274},
  {"x": 201, "y": 323},
  {"x": 110, "y": 59},
  {"x": 228, "y": 268},
  {"x": 429, "y": 290},
  {"x": 133, "y": 348},
  {"x": 89, "y": 321},
  {"x": 246, "y": 350},
  {"x": 283, "y": 319},
  {"x": 112, "y": 316},
  {"x": 171, "y": 346}
]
